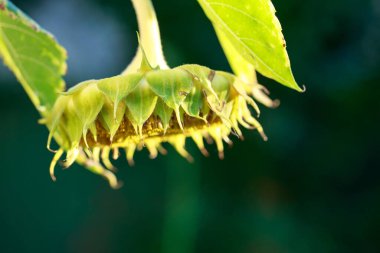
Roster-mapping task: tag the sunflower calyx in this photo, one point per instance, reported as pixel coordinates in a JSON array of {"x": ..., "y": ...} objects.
[{"x": 146, "y": 109}]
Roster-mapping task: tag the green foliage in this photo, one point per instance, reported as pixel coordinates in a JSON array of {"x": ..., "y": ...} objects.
[
  {"x": 33, "y": 55},
  {"x": 250, "y": 34}
]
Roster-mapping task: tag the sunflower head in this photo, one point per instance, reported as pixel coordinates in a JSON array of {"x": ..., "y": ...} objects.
[{"x": 145, "y": 109}]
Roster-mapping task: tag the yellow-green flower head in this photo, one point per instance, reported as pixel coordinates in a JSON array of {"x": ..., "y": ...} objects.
[{"x": 146, "y": 109}]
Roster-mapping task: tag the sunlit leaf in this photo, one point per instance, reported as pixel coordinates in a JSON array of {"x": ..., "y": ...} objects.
[
  {"x": 33, "y": 55},
  {"x": 254, "y": 32},
  {"x": 240, "y": 66}
]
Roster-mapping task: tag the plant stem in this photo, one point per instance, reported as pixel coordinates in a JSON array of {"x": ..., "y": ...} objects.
[{"x": 149, "y": 37}]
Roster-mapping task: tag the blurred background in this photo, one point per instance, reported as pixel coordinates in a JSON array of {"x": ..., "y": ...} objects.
[{"x": 313, "y": 187}]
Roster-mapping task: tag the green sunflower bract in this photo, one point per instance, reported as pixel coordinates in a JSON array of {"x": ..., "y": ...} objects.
[{"x": 145, "y": 109}]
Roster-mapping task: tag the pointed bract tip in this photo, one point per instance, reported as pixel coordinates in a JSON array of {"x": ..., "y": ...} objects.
[
  {"x": 162, "y": 150},
  {"x": 205, "y": 152},
  {"x": 131, "y": 162},
  {"x": 52, "y": 176},
  {"x": 276, "y": 103},
  {"x": 263, "y": 136},
  {"x": 145, "y": 64},
  {"x": 115, "y": 154},
  {"x": 53, "y": 163},
  {"x": 189, "y": 158}
]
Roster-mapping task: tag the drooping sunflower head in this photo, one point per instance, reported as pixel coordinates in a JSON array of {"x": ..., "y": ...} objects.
[{"x": 146, "y": 109}]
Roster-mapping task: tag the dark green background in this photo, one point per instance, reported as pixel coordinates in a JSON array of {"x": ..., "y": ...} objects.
[{"x": 313, "y": 187}]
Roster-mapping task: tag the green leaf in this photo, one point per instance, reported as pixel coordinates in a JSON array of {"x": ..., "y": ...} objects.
[
  {"x": 251, "y": 29},
  {"x": 33, "y": 55},
  {"x": 241, "y": 67}
]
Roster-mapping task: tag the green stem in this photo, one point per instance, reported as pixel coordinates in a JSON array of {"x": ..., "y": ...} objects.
[{"x": 150, "y": 38}]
